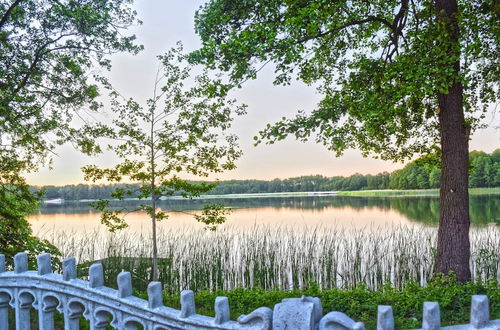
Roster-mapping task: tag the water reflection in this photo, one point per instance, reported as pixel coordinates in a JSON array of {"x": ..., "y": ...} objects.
[
  {"x": 483, "y": 209},
  {"x": 339, "y": 211}
]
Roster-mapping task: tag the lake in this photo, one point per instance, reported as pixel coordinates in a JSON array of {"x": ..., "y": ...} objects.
[{"x": 297, "y": 212}]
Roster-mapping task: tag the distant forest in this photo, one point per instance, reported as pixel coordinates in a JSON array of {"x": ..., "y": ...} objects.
[{"x": 422, "y": 173}]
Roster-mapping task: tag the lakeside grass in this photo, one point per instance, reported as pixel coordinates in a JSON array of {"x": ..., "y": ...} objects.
[
  {"x": 277, "y": 258},
  {"x": 413, "y": 193}
]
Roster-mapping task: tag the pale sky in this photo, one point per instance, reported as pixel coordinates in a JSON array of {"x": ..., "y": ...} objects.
[{"x": 167, "y": 21}]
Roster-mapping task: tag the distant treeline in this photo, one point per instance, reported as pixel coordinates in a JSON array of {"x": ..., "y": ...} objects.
[{"x": 419, "y": 174}]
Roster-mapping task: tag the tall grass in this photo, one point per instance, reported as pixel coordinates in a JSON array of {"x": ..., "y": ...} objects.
[{"x": 277, "y": 257}]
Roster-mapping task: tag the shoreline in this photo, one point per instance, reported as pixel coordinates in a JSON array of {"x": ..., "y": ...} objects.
[{"x": 348, "y": 193}]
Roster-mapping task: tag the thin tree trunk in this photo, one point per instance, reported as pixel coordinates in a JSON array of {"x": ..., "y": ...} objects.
[
  {"x": 155, "y": 247},
  {"x": 453, "y": 246},
  {"x": 154, "y": 197}
]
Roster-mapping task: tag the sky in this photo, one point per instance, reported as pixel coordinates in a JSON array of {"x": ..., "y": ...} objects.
[{"x": 167, "y": 21}]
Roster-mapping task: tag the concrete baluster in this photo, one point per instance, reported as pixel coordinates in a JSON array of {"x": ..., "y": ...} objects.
[
  {"x": 479, "y": 311},
  {"x": 4, "y": 301},
  {"x": 47, "y": 305},
  {"x": 221, "y": 310},
  {"x": 46, "y": 312},
  {"x": 2, "y": 263},
  {"x": 431, "y": 316},
  {"x": 25, "y": 300},
  {"x": 385, "y": 319},
  {"x": 23, "y": 305},
  {"x": 4, "y": 311},
  {"x": 124, "y": 281},
  {"x": 69, "y": 269},
  {"x": 96, "y": 276},
  {"x": 44, "y": 265},
  {"x": 187, "y": 303},
  {"x": 72, "y": 314},
  {"x": 20, "y": 263},
  {"x": 102, "y": 318},
  {"x": 155, "y": 299}
]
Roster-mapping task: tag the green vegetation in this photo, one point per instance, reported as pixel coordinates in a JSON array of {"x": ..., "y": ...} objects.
[
  {"x": 424, "y": 173},
  {"x": 419, "y": 174},
  {"x": 15, "y": 233},
  {"x": 49, "y": 53},
  {"x": 391, "y": 193},
  {"x": 361, "y": 303}
]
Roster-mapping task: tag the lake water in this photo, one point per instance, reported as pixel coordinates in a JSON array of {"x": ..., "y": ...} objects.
[{"x": 295, "y": 212}]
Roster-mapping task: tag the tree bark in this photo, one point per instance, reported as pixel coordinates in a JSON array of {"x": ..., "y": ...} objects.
[{"x": 453, "y": 246}]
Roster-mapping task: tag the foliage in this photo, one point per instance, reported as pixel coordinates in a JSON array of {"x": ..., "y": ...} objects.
[
  {"x": 48, "y": 49},
  {"x": 17, "y": 201},
  {"x": 421, "y": 173},
  {"x": 378, "y": 65},
  {"x": 161, "y": 141},
  {"x": 484, "y": 169},
  {"x": 182, "y": 130},
  {"x": 424, "y": 173},
  {"x": 361, "y": 303}
]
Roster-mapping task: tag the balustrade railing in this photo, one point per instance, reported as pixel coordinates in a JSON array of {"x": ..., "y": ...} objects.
[{"x": 46, "y": 292}]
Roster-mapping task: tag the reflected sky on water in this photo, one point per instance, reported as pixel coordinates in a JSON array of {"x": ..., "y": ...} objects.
[{"x": 297, "y": 212}]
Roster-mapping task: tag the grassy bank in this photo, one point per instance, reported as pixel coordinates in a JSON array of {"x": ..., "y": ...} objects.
[
  {"x": 361, "y": 303},
  {"x": 414, "y": 193},
  {"x": 268, "y": 195}
]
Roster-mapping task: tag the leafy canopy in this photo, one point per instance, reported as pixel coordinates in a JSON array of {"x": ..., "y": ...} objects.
[
  {"x": 17, "y": 200},
  {"x": 378, "y": 64},
  {"x": 48, "y": 52},
  {"x": 183, "y": 129}
]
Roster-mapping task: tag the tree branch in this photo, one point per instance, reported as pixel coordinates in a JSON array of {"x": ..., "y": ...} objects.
[
  {"x": 7, "y": 13},
  {"x": 369, "y": 19}
]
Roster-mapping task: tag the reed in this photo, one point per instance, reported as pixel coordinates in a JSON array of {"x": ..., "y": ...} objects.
[{"x": 281, "y": 258}]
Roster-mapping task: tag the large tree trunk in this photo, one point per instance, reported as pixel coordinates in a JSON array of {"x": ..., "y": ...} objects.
[{"x": 453, "y": 249}]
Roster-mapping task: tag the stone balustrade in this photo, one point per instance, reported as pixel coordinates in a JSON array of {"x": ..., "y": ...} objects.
[{"x": 46, "y": 292}]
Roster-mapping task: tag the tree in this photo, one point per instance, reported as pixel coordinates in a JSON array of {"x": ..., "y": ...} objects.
[
  {"x": 399, "y": 78},
  {"x": 434, "y": 177},
  {"x": 186, "y": 134},
  {"x": 17, "y": 200},
  {"x": 48, "y": 49}
]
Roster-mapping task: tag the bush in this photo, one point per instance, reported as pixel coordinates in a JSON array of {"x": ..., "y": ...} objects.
[{"x": 361, "y": 303}]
